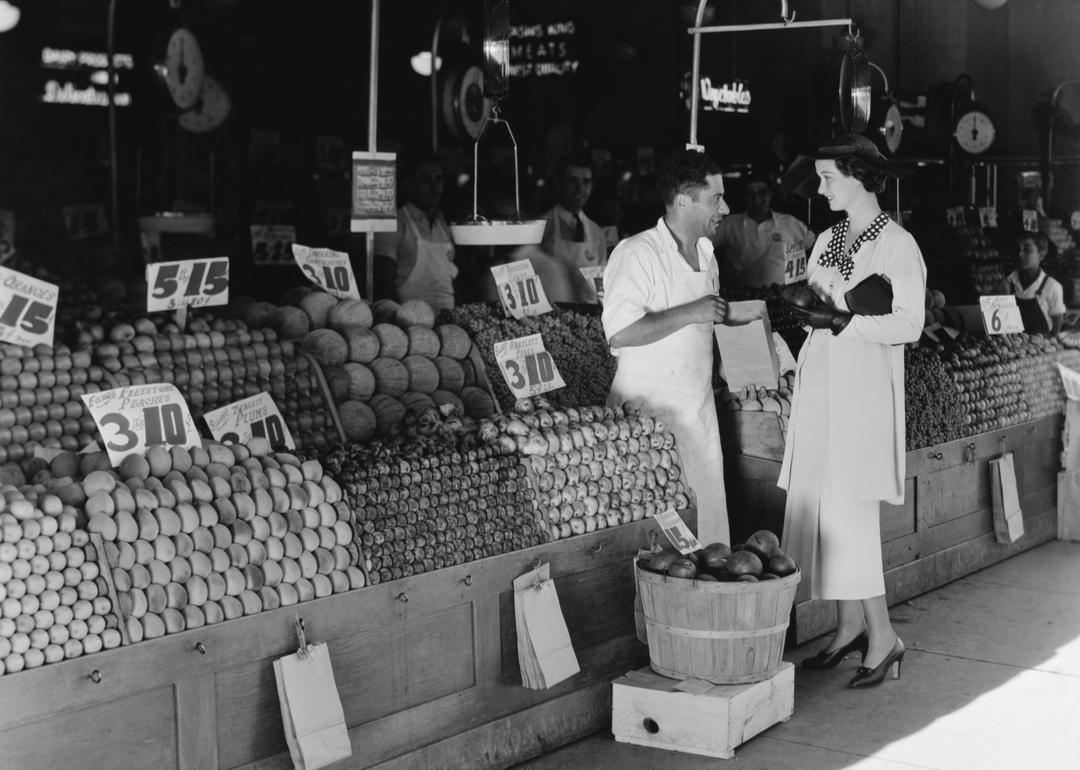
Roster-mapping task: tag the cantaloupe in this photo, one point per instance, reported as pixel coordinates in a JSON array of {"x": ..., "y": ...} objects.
[
  {"x": 416, "y": 403},
  {"x": 358, "y": 420},
  {"x": 338, "y": 380},
  {"x": 391, "y": 376},
  {"x": 388, "y": 412},
  {"x": 393, "y": 342},
  {"x": 423, "y": 376},
  {"x": 441, "y": 397},
  {"x": 451, "y": 375},
  {"x": 327, "y": 346},
  {"x": 317, "y": 305},
  {"x": 349, "y": 313},
  {"x": 415, "y": 312},
  {"x": 423, "y": 341},
  {"x": 477, "y": 402},
  {"x": 469, "y": 370},
  {"x": 384, "y": 310},
  {"x": 258, "y": 314},
  {"x": 361, "y": 381},
  {"x": 291, "y": 323},
  {"x": 363, "y": 345},
  {"x": 295, "y": 294},
  {"x": 454, "y": 341}
]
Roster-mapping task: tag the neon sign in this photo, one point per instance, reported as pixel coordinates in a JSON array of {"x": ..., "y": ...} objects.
[{"x": 727, "y": 97}]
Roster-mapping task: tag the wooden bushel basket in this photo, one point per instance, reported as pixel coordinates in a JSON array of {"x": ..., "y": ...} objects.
[{"x": 725, "y": 633}]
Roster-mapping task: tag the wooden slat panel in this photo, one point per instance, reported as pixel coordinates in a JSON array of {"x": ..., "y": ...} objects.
[
  {"x": 954, "y": 491},
  {"x": 136, "y": 731},
  {"x": 900, "y": 551},
  {"x": 899, "y": 520},
  {"x": 754, "y": 500},
  {"x": 196, "y": 719}
]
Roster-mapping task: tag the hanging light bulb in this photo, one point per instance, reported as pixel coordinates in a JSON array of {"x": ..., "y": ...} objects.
[
  {"x": 421, "y": 63},
  {"x": 9, "y": 16}
]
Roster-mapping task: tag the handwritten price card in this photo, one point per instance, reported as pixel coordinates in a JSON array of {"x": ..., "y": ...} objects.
[
  {"x": 795, "y": 261},
  {"x": 327, "y": 269},
  {"x": 675, "y": 529},
  {"x": 374, "y": 192},
  {"x": 190, "y": 283},
  {"x": 27, "y": 309},
  {"x": 527, "y": 367},
  {"x": 520, "y": 289},
  {"x": 256, "y": 416},
  {"x": 133, "y": 418},
  {"x": 272, "y": 244},
  {"x": 594, "y": 276},
  {"x": 1001, "y": 315}
]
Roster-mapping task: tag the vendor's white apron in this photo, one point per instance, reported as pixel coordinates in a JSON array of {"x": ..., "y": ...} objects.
[
  {"x": 673, "y": 379},
  {"x": 571, "y": 256},
  {"x": 432, "y": 277}
]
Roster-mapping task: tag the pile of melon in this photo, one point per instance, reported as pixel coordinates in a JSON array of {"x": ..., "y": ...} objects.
[{"x": 382, "y": 360}]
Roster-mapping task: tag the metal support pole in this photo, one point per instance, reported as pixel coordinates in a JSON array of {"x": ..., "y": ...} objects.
[
  {"x": 373, "y": 122},
  {"x": 114, "y": 172}
]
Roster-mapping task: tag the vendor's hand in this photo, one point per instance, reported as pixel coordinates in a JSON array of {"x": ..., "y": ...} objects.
[
  {"x": 822, "y": 316},
  {"x": 710, "y": 309}
]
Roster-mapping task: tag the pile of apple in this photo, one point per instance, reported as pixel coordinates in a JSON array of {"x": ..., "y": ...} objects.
[
  {"x": 54, "y": 603},
  {"x": 197, "y": 536},
  {"x": 759, "y": 558}
]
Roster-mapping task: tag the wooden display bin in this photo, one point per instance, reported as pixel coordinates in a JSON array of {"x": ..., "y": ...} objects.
[
  {"x": 426, "y": 668},
  {"x": 945, "y": 528}
]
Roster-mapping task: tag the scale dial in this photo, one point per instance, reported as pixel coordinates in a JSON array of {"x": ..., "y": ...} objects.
[
  {"x": 210, "y": 111},
  {"x": 974, "y": 132},
  {"x": 183, "y": 68}
]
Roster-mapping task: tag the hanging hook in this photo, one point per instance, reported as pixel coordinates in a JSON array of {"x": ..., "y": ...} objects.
[
  {"x": 536, "y": 574},
  {"x": 784, "y": 13},
  {"x": 304, "y": 648},
  {"x": 853, "y": 31}
]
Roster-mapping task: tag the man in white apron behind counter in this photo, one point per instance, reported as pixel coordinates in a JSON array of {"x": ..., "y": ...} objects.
[
  {"x": 417, "y": 260},
  {"x": 660, "y": 305}
]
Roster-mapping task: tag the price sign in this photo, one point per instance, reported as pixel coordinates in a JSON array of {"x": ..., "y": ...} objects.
[
  {"x": 1031, "y": 220},
  {"x": 675, "y": 529},
  {"x": 795, "y": 261},
  {"x": 272, "y": 244},
  {"x": 133, "y": 418},
  {"x": 988, "y": 217},
  {"x": 527, "y": 367},
  {"x": 374, "y": 192},
  {"x": 7, "y": 235},
  {"x": 1001, "y": 315},
  {"x": 255, "y": 416},
  {"x": 27, "y": 309},
  {"x": 594, "y": 276},
  {"x": 328, "y": 269},
  {"x": 954, "y": 216},
  {"x": 1074, "y": 220},
  {"x": 520, "y": 289},
  {"x": 190, "y": 283}
]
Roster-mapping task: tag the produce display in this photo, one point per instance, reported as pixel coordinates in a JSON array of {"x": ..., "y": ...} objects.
[
  {"x": 749, "y": 399},
  {"x": 575, "y": 341},
  {"x": 759, "y": 558},
  {"x": 983, "y": 259}
]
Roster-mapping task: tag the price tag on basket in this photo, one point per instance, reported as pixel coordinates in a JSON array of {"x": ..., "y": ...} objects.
[
  {"x": 190, "y": 283},
  {"x": 327, "y": 269},
  {"x": 988, "y": 217},
  {"x": 239, "y": 421},
  {"x": 133, "y": 418},
  {"x": 271, "y": 244},
  {"x": 527, "y": 367},
  {"x": 1001, "y": 315},
  {"x": 1031, "y": 220},
  {"x": 795, "y": 261},
  {"x": 27, "y": 309},
  {"x": 520, "y": 290},
  {"x": 594, "y": 276},
  {"x": 675, "y": 529}
]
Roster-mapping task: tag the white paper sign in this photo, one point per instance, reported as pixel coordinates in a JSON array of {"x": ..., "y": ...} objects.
[
  {"x": 594, "y": 276},
  {"x": 988, "y": 217},
  {"x": 327, "y": 269},
  {"x": 675, "y": 529},
  {"x": 520, "y": 289},
  {"x": 190, "y": 283},
  {"x": 239, "y": 421},
  {"x": 795, "y": 261},
  {"x": 27, "y": 309},
  {"x": 954, "y": 216},
  {"x": 1001, "y": 315},
  {"x": 272, "y": 244},
  {"x": 133, "y": 418},
  {"x": 527, "y": 367},
  {"x": 1031, "y": 220}
]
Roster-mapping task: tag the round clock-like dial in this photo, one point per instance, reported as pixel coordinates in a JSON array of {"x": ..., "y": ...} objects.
[
  {"x": 210, "y": 111},
  {"x": 974, "y": 132},
  {"x": 184, "y": 70}
]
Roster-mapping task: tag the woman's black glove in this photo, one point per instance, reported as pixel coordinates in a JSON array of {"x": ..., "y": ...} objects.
[{"x": 821, "y": 316}]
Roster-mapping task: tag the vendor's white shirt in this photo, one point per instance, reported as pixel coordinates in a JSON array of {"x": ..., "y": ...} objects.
[
  {"x": 751, "y": 254},
  {"x": 1051, "y": 299}
]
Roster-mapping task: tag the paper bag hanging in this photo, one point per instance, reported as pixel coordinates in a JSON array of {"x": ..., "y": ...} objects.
[
  {"x": 1068, "y": 505},
  {"x": 311, "y": 710},
  {"x": 544, "y": 648},
  {"x": 1008, "y": 519}
]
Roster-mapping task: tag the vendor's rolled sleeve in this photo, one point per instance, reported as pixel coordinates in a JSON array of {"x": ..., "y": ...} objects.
[{"x": 627, "y": 287}]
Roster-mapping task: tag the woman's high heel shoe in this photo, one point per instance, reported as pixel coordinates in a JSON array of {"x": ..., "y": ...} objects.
[
  {"x": 826, "y": 659},
  {"x": 871, "y": 677}
]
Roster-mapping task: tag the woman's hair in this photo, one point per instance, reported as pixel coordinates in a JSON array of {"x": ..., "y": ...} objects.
[
  {"x": 684, "y": 171},
  {"x": 872, "y": 179}
]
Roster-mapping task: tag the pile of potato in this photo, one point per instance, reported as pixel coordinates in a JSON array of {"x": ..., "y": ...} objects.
[{"x": 761, "y": 399}]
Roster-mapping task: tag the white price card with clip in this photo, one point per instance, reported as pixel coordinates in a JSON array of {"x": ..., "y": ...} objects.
[
  {"x": 189, "y": 283},
  {"x": 241, "y": 420},
  {"x": 135, "y": 417},
  {"x": 1031, "y": 220},
  {"x": 520, "y": 290},
  {"x": 795, "y": 261},
  {"x": 271, "y": 244},
  {"x": 594, "y": 277},
  {"x": 327, "y": 269},
  {"x": 1001, "y": 315},
  {"x": 954, "y": 216},
  {"x": 675, "y": 529},
  {"x": 988, "y": 217},
  {"x": 27, "y": 309},
  {"x": 527, "y": 367}
]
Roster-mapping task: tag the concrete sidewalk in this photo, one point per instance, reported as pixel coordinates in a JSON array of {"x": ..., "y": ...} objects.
[{"x": 991, "y": 680}]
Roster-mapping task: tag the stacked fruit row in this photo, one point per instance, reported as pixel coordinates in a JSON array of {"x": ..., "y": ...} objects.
[
  {"x": 54, "y": 603},
  {"x": 983, "y": 258},
  {"x": 193, "y": 537},
  {"x": 380, "y": 361}
]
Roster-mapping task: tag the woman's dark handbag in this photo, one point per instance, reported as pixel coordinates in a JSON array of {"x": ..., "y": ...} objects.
[{"x": 871, "y": 296}]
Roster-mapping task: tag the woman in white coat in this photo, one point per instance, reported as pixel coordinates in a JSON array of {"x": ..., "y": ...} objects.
[{"x": 845, "y": 445}]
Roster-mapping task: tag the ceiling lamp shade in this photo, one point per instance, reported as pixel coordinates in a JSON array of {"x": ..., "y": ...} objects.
[{"x": 990, "y": 5}]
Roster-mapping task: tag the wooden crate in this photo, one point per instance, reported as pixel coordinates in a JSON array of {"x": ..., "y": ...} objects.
[{"x": 647, "y": 710}]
